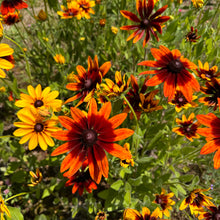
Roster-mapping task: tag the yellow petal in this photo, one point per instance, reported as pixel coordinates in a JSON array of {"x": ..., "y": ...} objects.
[
  {"x": 38, "y": 92},
  {"x": 33, "y": 142},
  {"x": 22, "y": 131},
  {"x": 31, "y": 91},
  {"x": 5, "y": 64},
  {"x": 47, "y": 138},
  {"x": 5, "y": 50},
  {"x": 26, "y": 138},
  {"x": 2, "y": 73},
  {"x": 42, "y": 142}
]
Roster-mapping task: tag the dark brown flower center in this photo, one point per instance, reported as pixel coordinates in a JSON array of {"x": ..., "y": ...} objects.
[
  {"x": 89, "y": 137},
  {"x": 175, "y": 66},
  {"x": 217, "y": 216},
  {"x": 88, "y": 84},
  {"x": 145, "y": 23},
  {"x": 39, "y": 127},
  {"x": 38, "y": 103},
  {"x": 158, "y": 200}
]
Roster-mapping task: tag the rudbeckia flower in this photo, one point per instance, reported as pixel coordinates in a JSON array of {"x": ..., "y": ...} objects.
[
  {"x": 35, "y": 178},
  {"x": 212, "y": 89},
  {"x": 212, "y": 135},
  {"x": 207, "y": 73},
  {"x": 5, "y": 51},
  {"x": 81, "y": 180},
  {"x": 11, "y": 18},
  {"x": 101, "y": 216},
  {"x": 132, "y": 214},
  {"x": 180, "y": 101},
  {"x": 35, "y": 129},
  {"x": 71, "y": 11},
  {"x": 196, "y": 200},
  {"x": 86, "y": 81},
  {"x": 197, "y": 3},
  {"x": 147, "y": 23},
  {"x": 192, "y": 35},
  {"x": 85, "y": 8},
  {"x": 173, "y": 72},
  {"x": 59, "y": 58},
  {"x": 187, "y": 127},
  {"x": 40, "y": 99},
  {"x": 125, "y": 163},
  {"x": 214, "y": 213},
  {"x": 165, "y": 201},
  {"x": 11, "y": 5},
  {"x": 3, "y": 209},
  {"x": 89, "y": 136}
]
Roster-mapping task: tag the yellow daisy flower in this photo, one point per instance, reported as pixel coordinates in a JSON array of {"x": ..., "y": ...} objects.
[
  {"x": 85, "y": 8},
  {"x": 5, "y": 51},
  {"x": 197, "y": 3},
  {"x": 3, "y": 209},
  {"x": 35, "y": 129},
  {"x": 35, "y": 178},
  {"x": 40, "y": 99},
  {"x": 59, "y": 58},
  {"x": 114, "y": 30}
]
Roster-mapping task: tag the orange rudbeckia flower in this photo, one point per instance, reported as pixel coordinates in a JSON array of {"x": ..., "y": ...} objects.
[
  {"x": 12, "y": 5},
  {"x": 212, "y": 134},
  {"x": 89, "y": 136},
  {"x": 172, "y": 71}
]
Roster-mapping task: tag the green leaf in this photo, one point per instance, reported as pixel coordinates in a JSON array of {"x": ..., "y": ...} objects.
[
  {"x": 15, "y": 213},
  {"x": 116, "y": 185},
  {"x": 46, "y": 193},
  {"x": 41, "y": 217},
  {"x": 144, "y": 159},
  {"x": 19, "y": 177},
  {"x": 186, "y": 178}
]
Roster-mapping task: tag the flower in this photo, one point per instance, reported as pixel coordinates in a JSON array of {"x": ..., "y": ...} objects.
[
  {"x": 85, "y": 8},
  {"x": 140, "y": 101},
  {"x": 88, "y": 136},
  {"x": 197, "y": 3},
  {"x": 10, "y": 97},
  {"x": 35, "y": 129},
  {"x": 213, "y": 90},
  {"x": 101, "y": 216},
  {"x": 192, "y": 35},
  {"x": 114, "y": 30},
  {"x": 81, "y": 180},
  {"x": 86, "y": 81},
  {"x": 132, "y": 214},
  {"x": 2, "y": 89},
  {"x": 213, "y": 215},
  {"x": 207, "y": 73},
  {"x": 42, "y": 15},
  {"x": 3, "y": 209},
  {"x": 102, "y": 22},
  {"x": 187, "y": 128},
  {"x": 173, "y": 73},
  {"x": 71, "y": 11},
  {"x": 111, "y": 89},
  {"x": 196, "y": 200},
  {"x": 35, "y": 178},
  {"x": 125, "y": 163},
  {"x": 146, "y": 23},
  {"x": 40, "y": 99},
  {"x": 59, "y": 58},
  {"x": 165, "y": 201},
  {"x": 5, "y": 51},
  {"x": 212, "y": 136},
  {"x": 9, "y": 6},
  {"x": 11, "y": 18},
  {"x": 180, "y": 101},
  {"x": 46, "y": 39}
]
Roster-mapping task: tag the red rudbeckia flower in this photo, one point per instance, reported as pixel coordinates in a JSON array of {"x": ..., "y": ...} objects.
[
  {"x": 212, "y": 134},
  {"x": 173, "y": 72},
  {"x": 88, "y": 136},
  {"x": 11, "y": 5},
  {"x": 147, "y": 22}
]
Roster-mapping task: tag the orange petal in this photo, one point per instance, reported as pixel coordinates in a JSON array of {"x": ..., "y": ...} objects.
[
  {"x": 105, "y": 111},
  {"x": 157, "y": 79},
  {"x": 117, "y": 120},
  {"x": 66, "y": 147},
  {"x": 74, "y": 86},
  {"x": 217, "y": 159},
  {"x": 210, "y": 147}
]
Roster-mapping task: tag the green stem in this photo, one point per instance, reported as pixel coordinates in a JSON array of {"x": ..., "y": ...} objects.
[
  {"x": 25, "y": 57},
  {"x": 11, "y": 88},
  {"x": 19, "y": 33},
  {"x": 12, "y": 197},
  {"x": 6, "y": 136}
]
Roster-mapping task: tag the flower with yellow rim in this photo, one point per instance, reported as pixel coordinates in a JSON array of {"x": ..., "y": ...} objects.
[
  {"x": 165, "y": 201},
  {"x": 196, "y": 201},
  {"x": 59, "y": 58},
  {"x": 125, "y": 163},
  {"x": 9, "y": 6},
  {"x": 132, "y": 214},
  {"x": 35, "y": 178},
  {"x": 187, "y": 127},
  {"x": 3, "y": 209},
  {"x": 207, "y": 73},
  {"x": 71, "y": 11},
  {"x": 197, "y": 3},
  {"x": 35, "y": 129},
  {"x": 11, "y": 18},
  {"x": 213, "y": 215},
  {"x": 86, "y": 81},
  {"x": 40, "y": 99},
  {"x": 180, "y": 101},
  {"x": 5, "y": 51},
  {"x": 101, "y": 215},
  {"x": 85, "y": 8}
]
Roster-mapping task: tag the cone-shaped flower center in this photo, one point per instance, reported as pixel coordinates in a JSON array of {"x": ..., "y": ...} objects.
[
  {"x": 217, "y": 216},
  {"x": 175, "y": 66},
  {"x": 180, "y": 99},
  {"x": 38, "y": 103},
  {"x": 88, "y": 84},
  {"x": 89, "y": 137},
  {"x": 145, "y": 23},
  {"x": 38, "y": 127},
  {"x": 158, "y": 200}
]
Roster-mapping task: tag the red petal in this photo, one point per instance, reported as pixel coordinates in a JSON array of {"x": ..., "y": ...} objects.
[
  {"x": 69, "y": 124},
  {"x": 92, "y": 113},
  {"x": 158, "y": 12},
  {"x": 129, "y": 27},
  {"x": 147, "y": 38},
  {"x": 161, "y": 19},
  {"x": 139, "y": 8},
  {"x": 78, "y": 117},
  {"x": 149, "y": 8},
  {"x": 157, "y": 79},
  {"x": 138, "y": 37},
  {"x": 170, "y": 86},
  {"x": 209, "y": 120},
  {"x": 65, "y": 135},
  {"x": 64, "y": 148},
  {"x": 149, "y": 63},
  {"x": 129, "y": 15}
]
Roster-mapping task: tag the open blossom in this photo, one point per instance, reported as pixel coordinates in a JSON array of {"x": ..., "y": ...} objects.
[
  {"x": 59, "y": 58},
  {"x": 148, "y": 23},
  {"x": 88, "y": 137},
  {"x": 9, "y": 6}
]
